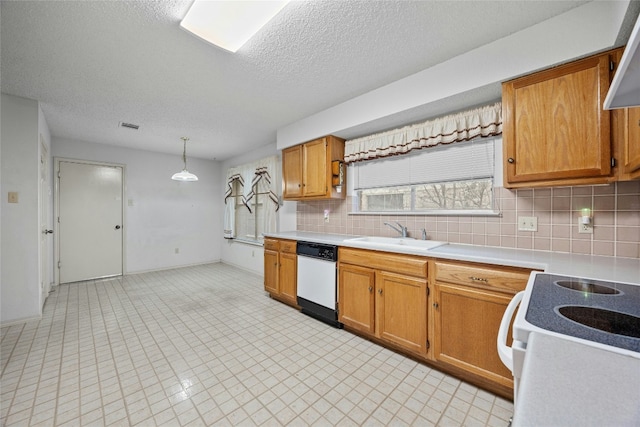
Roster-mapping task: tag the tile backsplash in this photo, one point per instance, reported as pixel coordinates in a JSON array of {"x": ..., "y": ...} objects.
[{"x": 615, "y": 207}]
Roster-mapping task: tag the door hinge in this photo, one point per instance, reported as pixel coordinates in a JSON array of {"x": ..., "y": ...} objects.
[
  {"x": 58, "y": 173},
  {"x": 58, "y": 220},
  {"x": 58, "y": 264},
  {"x": 428, "y": 345},
  {"x": 613, "y": 162},
  {"x": 612, "y": 65}
]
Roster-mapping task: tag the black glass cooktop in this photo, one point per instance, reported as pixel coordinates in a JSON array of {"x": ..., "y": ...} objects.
[{"x": 594, "y": 310}]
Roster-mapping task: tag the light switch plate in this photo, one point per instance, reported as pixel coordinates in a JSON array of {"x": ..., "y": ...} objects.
[{"x": 527, "y": 223}]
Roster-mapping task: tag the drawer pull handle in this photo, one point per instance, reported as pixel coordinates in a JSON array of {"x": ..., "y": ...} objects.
[{"x": 478, "y": 279}]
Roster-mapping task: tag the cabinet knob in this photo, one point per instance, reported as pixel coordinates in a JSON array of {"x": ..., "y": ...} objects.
[
  {"x": 435, "y": 305},
  {"x": 510, "y": 160},
  {"x": 370, "y": 289},
  {"x": 379, "y": 291}
]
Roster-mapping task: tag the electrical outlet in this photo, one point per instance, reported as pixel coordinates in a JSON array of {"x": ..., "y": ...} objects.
[
  {"x": 326, "y": 215},
  {"x": 585, "y": 228},
  {"x": 527, "y": 223}
]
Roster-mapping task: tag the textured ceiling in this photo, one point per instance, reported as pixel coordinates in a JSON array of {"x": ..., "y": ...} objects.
[{"x": 93, "y": 64}]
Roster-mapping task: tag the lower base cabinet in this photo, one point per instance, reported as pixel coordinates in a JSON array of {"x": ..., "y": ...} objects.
[
  {"x": 376, "y": 300},
  {"x": 468, "y": 303},
  {"x": 280, "y": 270}
]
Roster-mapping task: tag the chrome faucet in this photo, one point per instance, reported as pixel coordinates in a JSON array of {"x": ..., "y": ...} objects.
[
  {"x": 402, "y": 230},
  {"x": 424, "y": 234}
]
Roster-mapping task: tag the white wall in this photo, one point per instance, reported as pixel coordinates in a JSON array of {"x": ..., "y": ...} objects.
[
  {"x": 19, "y": 283},
  {"x": 161, "y": 214},
  {"x": 244, "y": 255}
]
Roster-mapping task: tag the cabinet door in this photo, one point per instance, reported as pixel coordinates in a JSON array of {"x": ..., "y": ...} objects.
[
  {"x": 287, "y": 277},
  {"x": 292, "y": 171},
  {"x": 314, "y": 161},
  {"x": 356, "y": 297},
  {"x": 271, "y": 272},
  {"x": 554, "y": 125},
  {"x": 401, "y": 310},
  {"x": 632, "y": 143},
  {"x": 466, "y": 324}
]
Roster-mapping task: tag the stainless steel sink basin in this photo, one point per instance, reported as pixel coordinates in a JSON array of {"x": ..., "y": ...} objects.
[
  {"x": 392, "y": 243},
  {"x": 604, "y": 320}
]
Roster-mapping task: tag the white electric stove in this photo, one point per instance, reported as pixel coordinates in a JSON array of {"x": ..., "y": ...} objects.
[{"x": 575, "y": 354}]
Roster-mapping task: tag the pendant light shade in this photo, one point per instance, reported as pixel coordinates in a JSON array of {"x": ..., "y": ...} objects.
[{"x": 185, "y": 175}]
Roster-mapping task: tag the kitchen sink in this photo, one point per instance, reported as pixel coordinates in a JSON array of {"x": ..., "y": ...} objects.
[
  {"x": 604, "y": 320},
  {"x": 375, "y": 242}
]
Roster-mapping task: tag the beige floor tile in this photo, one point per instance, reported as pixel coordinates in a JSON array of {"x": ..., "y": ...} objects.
[{"x": 205, "y": 346}]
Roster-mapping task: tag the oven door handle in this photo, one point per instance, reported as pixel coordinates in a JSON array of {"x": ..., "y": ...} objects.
[{"x": 504, "y": 351}]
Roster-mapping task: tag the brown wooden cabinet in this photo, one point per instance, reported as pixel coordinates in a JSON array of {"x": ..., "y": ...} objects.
[
  {"x": 307, "y": 172},
  {"x": 554, "y": 128},
  {"x": 631, "y": 143},
  {"x": 384, "y": 295},
  {"x": 468, "y": 303},
  {"x": 280, "y": 270}
]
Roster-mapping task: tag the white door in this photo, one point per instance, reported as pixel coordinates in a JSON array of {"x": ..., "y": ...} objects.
[
  {"x": 90, "y": 221},
  {"x": 45, "y": 192}
]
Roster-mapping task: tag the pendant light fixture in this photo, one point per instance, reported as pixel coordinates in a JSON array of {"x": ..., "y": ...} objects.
[{"x": 185, "y": 175}]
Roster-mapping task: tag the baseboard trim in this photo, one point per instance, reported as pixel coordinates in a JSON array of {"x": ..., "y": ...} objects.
[{"x": 129, "y": 273}]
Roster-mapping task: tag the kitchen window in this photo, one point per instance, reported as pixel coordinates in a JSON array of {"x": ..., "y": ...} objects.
[
  {"x": 446, "y": 179},
  {"x": 250, "y": 200}
]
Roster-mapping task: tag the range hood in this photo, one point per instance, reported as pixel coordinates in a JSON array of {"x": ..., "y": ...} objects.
[{"x": 625, "y": 86}]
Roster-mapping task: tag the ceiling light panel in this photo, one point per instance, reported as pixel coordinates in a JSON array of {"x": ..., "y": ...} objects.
[{"x": 229, "y": 24}]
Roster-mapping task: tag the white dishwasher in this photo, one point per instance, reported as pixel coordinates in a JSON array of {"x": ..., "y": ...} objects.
[{"x": 317, "y": 293}]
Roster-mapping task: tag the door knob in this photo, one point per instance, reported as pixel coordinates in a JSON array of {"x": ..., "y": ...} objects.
[
  {"x": 47, "y": 232},
  {"x": 117, "y": 227}
]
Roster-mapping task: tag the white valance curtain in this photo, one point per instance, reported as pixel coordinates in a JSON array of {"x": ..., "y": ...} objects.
[
  {"x": 483, "y": 121},
  {"x": 253, "y": 178}
]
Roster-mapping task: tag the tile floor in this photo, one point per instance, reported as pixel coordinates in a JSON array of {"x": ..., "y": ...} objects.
[{"x": 205, "y": 346}]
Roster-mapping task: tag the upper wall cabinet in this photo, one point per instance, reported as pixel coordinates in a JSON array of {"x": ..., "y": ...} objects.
[
  {"x": 307, "y": 171},
  {"x": 631, "y": 143},
  {"x": 555, "y": 131}
]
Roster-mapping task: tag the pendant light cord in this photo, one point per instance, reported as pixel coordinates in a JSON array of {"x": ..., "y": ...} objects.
[{"x": 184, "y": 151}]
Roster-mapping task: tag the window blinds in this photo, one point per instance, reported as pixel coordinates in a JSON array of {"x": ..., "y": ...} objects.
[{"x": 456, "y": 162}]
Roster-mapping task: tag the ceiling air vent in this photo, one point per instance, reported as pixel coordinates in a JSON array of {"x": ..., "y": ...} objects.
[{"x": 129, "y": 125}]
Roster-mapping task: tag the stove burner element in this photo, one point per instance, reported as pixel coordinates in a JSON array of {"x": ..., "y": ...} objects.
[
  {"x": 587, "y": 287},
  {"x": 605, "y": 320}
]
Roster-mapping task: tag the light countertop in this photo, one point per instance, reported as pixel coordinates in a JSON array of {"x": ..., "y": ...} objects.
[{"x": 588, "y": 266}]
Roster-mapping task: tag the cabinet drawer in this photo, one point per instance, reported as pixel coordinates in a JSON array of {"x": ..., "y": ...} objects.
[
  {"x": 288, "y": 246},
  {"x": 508, "y": 279},
  {"x": 271, "y": 244},
  {"x": 405, "y": 264}
]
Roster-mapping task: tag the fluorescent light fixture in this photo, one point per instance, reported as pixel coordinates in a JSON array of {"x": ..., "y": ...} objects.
[{"x": 229, "y": 24}]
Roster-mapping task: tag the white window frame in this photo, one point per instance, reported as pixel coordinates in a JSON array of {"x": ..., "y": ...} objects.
[{"x": 495, "y": 177}]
